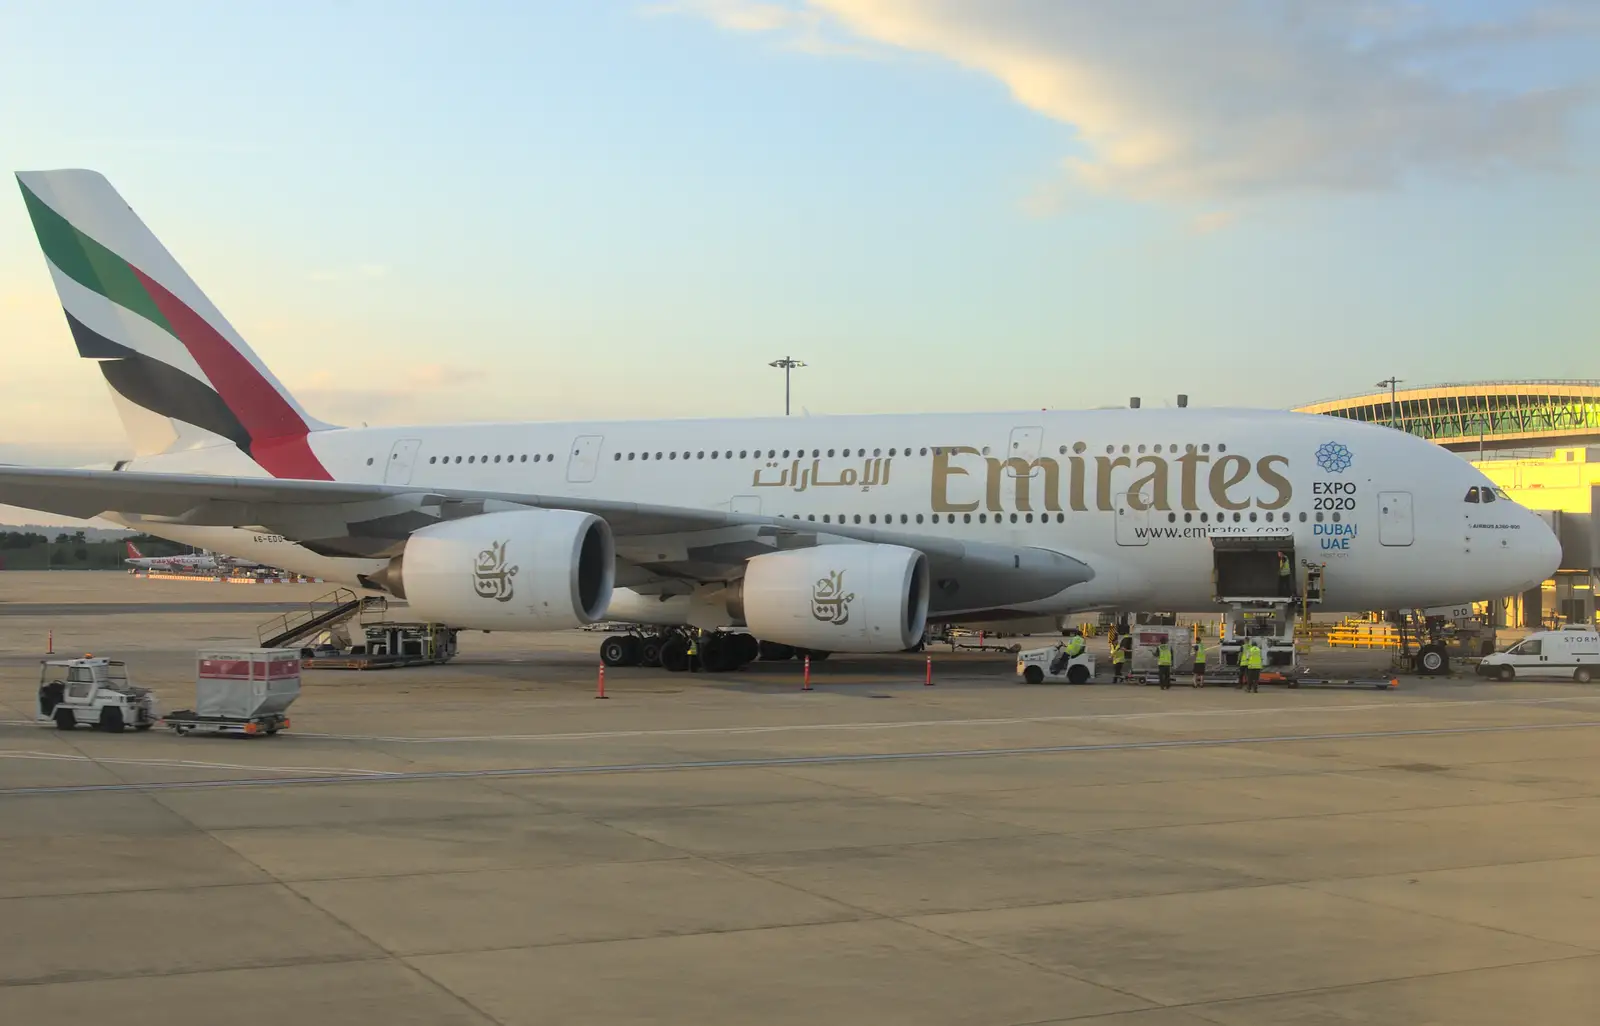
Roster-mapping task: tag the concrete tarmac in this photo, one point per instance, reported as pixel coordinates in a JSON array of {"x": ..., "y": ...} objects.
[{"x": 486, "y": 842}]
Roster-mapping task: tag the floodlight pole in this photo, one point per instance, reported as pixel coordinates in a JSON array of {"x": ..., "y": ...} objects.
[
  {"x": 788, "y": 363},
  {"x": 1391, "y": 383}
]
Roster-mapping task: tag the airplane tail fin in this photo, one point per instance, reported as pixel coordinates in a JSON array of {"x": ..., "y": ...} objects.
[
  {"x": 181, "y": 375},
  {"x": 133, "y": 552}
]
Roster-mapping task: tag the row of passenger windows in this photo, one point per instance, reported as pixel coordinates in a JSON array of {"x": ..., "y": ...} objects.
[
  {"x": 771, "y": 454},
  {"x": 1080, "y": 448},
  {"x": 548, "y": 457},
  {"x": 727, "y": 454},
  {"x": 1028, "y": 518},
  {"x": 537, "y": 458}
]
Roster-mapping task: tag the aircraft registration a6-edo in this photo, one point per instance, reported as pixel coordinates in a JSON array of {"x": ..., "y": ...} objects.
[{"x": 832, "y": 533}]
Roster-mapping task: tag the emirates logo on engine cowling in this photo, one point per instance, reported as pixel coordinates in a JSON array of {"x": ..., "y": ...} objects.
[
  {"x": 491, "y": 578},
  {"x": 830, "y": 603}
]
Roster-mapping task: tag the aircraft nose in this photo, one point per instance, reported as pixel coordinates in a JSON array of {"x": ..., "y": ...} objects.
[{"x": 1541, "y": 556}]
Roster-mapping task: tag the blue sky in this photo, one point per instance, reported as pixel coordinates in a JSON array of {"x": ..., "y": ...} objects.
[{"x": 561, "y": 210}]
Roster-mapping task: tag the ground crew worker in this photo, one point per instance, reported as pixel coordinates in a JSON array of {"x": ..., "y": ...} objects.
[
  {"x": 1164, "y": 664},
  {"x": 1285, "y": 576},
  {"x": 1074, "y": 646},
  {"x": 694, "y": 650},
  {"x": 1253, "y": 666},
  {"x": 1116, "y": 664},
  {"x": 1199, "y": 663}
]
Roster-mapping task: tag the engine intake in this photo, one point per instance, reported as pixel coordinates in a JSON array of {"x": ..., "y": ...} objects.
[
  {"x": 837, "y": 598},
  {"x": 535, "y": 569}
]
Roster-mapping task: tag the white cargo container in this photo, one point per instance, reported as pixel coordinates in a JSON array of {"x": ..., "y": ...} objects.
[{"x": 241, "y": 690}]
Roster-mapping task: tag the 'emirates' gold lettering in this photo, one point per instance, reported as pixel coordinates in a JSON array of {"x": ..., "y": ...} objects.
[
  {"x": 1225, "y": 473},
  {"x": 1150, "y": 491},
  {"x": 1036, "y": 485},
  {"x": 943, "y": 472},
  {"x": 1023, "y": 471},
  {"x": 1279, "y": 483},
  {"x": 1103, "y": 492}
]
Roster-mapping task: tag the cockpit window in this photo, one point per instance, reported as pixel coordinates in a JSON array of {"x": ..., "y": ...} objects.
[
  {"x": 1501, "y": 492},
  {"x": 1472, "y": 494},
  {"x": 1488, "y": 494}
]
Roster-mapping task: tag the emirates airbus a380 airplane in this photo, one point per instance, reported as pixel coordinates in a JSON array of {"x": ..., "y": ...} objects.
[{"x": 842, "y": 534}]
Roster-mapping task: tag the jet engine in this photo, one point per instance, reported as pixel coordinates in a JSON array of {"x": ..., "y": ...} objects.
[
  {"x": 836, "y": 598},
  {"x": 534, "y": 569}
]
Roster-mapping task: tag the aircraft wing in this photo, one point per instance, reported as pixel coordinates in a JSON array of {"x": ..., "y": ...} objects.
[{"x": 662, "y": 548}]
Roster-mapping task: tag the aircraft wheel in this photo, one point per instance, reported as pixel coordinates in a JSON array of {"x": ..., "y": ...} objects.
[
  {"x": 1507, "y": 673},
  {"x": 650, "y": 650},
  {"x": 716, "y": 653},
  {"x": 1033, "y": 675},
  {"x": 1432, "y": 659},
  {"x": 674, "y": 654},
  {"x": 1077, "y": 675},
  {"x": 1582, "y": 675},
  {"x": 746, "y": 648},
  {"x": 773, "y": 652},
  {"x": 619, "y": 650}
]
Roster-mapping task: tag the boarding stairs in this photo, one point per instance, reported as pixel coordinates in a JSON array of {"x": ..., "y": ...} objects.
[{"x": 331, "y": 610}]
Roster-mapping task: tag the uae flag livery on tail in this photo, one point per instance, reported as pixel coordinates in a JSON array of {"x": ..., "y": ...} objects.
[{"x": 162, "y": 346}]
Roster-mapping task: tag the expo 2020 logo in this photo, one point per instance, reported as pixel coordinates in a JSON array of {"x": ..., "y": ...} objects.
[{"x": 1333, "y": 457}]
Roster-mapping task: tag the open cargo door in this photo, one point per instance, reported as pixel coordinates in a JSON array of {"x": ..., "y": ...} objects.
[{"x": 1245, "y": 567}]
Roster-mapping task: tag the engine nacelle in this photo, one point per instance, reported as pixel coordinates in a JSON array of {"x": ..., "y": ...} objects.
[
  {"x": 837, "y": 598},
  {"x": 531, "y": 570}
]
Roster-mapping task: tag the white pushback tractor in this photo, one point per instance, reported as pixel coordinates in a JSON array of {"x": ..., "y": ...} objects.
[
  {"x": 92, "y": 692},
  {"x": 1038, "y": 665}
]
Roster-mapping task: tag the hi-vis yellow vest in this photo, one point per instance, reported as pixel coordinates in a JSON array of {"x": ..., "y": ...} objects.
[
  {"x": 1252, "y": 657},
  {"x": 1164, "y": 655}
]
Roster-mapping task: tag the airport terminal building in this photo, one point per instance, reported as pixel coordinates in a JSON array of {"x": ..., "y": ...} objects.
[{"x": 1538, "y": 440}]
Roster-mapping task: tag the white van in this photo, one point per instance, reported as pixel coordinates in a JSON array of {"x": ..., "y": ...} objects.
[{"x": 1570, "y": 654}]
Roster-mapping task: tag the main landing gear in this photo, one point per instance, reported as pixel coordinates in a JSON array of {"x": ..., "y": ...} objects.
[{"x": 719, "y": 651}]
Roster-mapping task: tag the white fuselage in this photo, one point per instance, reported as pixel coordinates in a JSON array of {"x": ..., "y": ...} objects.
[{"x": 1138, "y": 495}]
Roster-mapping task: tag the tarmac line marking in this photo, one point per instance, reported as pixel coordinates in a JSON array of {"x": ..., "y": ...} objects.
[
  {"x": 183, "y": 763},
  {"x": 600, "y": 735},
  {"x": 380, "y": 776}
]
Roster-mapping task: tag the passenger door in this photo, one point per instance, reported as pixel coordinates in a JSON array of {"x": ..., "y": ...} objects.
[
  {"x": 1024, "y": 445},
  {"x": 401, "y": 459},
  {"x": 585, "y": 458},
  {"x": 1394, "y": 518},
  {"x": 1132, "y": 521}
]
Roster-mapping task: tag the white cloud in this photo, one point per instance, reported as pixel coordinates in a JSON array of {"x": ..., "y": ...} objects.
[
  {"x": 1205, "y": 99},
  {"x": 802, "y": 29}
]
